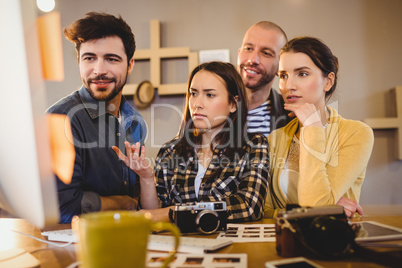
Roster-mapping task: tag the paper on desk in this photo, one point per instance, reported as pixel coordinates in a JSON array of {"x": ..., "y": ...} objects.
[
  {"x": 17, "y": 257},
  {"x": 235, "y": 260},
  {"x": 240, "y": 233}
]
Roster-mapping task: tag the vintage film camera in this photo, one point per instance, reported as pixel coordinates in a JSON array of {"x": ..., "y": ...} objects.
[
  {"x": 319, "y": 231},
  {"x": 203, "y": 217}
]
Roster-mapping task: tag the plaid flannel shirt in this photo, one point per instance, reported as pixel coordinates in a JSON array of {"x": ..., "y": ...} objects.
[{"x": 242, "y": 183}]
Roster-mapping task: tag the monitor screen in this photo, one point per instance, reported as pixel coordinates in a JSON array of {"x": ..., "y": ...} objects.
[{"x": 27, "y": 182}]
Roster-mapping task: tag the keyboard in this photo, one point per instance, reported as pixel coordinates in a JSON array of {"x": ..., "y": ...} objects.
[
  {"x": 156, "y": 242},
  {"x": 65, "y": 235}
]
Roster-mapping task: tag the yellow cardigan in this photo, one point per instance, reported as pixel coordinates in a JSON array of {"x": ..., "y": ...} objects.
[{"x": 332, "y": 163}]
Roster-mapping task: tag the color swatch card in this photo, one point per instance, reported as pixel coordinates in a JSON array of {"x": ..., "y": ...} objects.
[{"x": 239, "y": 233}]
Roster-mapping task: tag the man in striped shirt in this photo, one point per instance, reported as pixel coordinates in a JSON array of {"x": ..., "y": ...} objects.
[{"x": 257, "y": 62}]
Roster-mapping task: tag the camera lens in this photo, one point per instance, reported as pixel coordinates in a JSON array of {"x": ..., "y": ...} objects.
[
  {"x": 207, "y": 221},
  {"x": 330, "y": 236}
]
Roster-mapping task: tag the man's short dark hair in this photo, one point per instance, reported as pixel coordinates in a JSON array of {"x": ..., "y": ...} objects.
[{"x": 100, "y": 25}]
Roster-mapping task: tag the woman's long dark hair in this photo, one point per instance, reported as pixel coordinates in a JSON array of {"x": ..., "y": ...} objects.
[{"x": 233, "y": 135}]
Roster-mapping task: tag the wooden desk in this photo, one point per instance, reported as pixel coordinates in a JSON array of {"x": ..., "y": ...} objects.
[
  {"x": 48, "y": 255},
  {"x": 258, "y": 253}
]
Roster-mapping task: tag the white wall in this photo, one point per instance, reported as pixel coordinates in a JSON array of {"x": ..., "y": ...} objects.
[{"x": 365, "y": 35}]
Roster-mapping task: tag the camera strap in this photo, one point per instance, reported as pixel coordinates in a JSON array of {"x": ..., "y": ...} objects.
[{"x": 171, "y": 215}]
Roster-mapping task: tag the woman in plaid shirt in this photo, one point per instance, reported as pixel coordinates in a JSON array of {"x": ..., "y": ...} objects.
[{"x": 213, "y": 158}]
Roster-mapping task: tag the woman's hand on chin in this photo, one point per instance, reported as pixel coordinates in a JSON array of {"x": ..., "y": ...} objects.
[{"x": 307, "y": 113}]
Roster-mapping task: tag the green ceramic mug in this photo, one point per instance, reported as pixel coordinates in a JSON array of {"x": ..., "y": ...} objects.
[{"x": 117, "y": 238}]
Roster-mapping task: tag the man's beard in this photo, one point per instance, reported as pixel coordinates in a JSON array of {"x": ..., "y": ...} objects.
[
  {"x": 265, "y": 79},
  {"x": 116, "y": 90}
]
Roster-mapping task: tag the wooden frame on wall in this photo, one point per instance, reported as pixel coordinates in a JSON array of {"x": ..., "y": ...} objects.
[{"x": 155, "y": 55}]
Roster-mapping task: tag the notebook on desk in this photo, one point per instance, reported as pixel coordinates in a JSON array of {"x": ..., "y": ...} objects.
[{"x": 17, "y": 257}]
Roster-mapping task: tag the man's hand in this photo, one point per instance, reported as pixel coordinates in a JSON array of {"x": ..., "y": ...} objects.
[
  {"x": 350, "y": 206},
  {"x": 134, "y": 160},
  {"x": 118, "y": 202}
]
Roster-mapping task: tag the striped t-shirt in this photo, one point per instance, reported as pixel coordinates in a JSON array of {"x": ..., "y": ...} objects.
[{"x": 259, "y": 119}]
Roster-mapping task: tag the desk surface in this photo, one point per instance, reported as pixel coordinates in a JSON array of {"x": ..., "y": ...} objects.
[{"x": 258, "y": 253}]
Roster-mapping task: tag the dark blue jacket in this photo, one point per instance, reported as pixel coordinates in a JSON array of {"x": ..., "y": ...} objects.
[{"x": 97, "y": 169}]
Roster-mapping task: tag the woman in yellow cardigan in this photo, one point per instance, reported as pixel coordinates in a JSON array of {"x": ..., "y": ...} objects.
[{"x": 319, "y": 158}]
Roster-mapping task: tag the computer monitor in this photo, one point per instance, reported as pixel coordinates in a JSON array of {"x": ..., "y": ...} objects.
[{"x": 27, "y": 182}]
